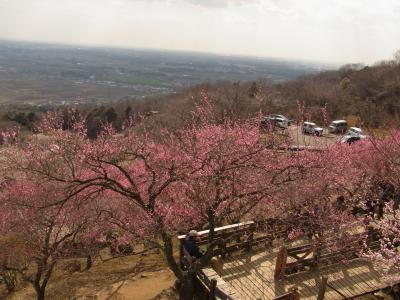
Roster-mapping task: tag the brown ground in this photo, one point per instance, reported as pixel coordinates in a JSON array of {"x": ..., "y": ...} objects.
[
  {"x": 300, "y": 139},
  {"x": 125, "y": 278}
]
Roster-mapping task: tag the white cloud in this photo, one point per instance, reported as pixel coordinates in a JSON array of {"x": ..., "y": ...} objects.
[
  {"x": 334, "y": 30},
  {"x": 209, "y": 3},
  {"x": 219, "y": 3}
]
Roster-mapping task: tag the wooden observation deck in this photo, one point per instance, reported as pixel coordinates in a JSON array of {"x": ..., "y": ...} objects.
[{"x": 254, "y": 267}]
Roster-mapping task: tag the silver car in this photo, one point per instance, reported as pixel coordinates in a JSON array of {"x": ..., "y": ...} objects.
[
  {"x": 312, "y": 128},
  {"x": 274, "y": 121}
]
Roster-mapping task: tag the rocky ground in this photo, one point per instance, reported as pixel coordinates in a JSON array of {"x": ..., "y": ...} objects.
[{"x": 135, "y": 277}]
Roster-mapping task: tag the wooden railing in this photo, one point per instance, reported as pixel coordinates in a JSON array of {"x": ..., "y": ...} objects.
[
  {"x": 292, "y": 295},
  {"x": 232, "y": 239},
  {"x": 229, "y": 239},
  {"x": 244, "y": 236},
  {"x": 211, "y": 284},
  {"x": 310, "y": 255},
  {"x": 214, "y": 291}
]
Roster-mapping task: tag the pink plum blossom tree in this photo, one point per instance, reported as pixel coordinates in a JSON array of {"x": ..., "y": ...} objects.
[
  {"x": 38, "y": 227},
  {"x": 155, "y": 185},
  {"x": 158, "y": 185}
]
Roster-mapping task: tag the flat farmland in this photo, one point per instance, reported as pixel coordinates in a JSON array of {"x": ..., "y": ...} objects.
[{"x": 34, "y": 73}]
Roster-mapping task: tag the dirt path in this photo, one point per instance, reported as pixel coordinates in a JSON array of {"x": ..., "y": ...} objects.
[
  {"x": 133, "y": 277},
  {"x": 146, "y": 286}
]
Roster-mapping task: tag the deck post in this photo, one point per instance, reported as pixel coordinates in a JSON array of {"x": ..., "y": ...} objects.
[
  {"x": 280, "y": 265},
  {"x": 249, "y": 241},
  {"x": 213, "y": 286},
  {"x": 252, "y": 228},
  {"x": 322, "y": 288},
  {"x": 181, "y": 255},
  {"x": 295, "y": 294},
  {"x": 292, "y": 294}
]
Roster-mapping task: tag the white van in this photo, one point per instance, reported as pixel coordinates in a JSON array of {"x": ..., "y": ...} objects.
[{"x": 338, "y": 126}]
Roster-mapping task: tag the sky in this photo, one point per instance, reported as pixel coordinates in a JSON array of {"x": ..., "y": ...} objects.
[{"x": 345, "y": 31}]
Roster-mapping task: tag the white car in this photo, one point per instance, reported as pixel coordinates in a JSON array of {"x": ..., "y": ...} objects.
[
  {"x": 355, "y": 131},
  {"x": 284, "y": 119},
  {"x": 350, "y": 139},
  {"x": 281, "y": 122},
  {"x": 274, "y": 122},
  {"x": 353, "y": 135},
  {"x": 312, "y": 128}
]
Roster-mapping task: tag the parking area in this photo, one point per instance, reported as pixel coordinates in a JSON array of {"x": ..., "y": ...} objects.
[
  {"x": 300, "y": 139},
  {"x": 309, "y": 134}
]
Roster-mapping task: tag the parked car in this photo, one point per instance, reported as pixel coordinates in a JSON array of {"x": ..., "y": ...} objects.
[
  {"x": 353, "y": 135},
  {"x": 287, "y": 120},
  {"x": 338, "y": 126},
  {"x": 312, "y": 128},
  {"x": 355, "y": 131},
  {"x": 350, "y": 139},
  {"x": 274, "y": 122}
]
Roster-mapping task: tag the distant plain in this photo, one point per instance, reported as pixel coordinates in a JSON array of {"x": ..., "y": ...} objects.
[{"x": 37, "y": 74}]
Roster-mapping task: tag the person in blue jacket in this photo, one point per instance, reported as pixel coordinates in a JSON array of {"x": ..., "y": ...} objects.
[{"x": 190, "y": 244}]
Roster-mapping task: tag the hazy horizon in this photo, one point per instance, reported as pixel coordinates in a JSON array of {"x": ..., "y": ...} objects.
[
  {"x": 332, "y": 31},
  {"x": 309, "y": 62}
]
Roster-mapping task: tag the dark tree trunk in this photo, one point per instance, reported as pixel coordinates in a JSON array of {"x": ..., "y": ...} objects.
[
  {"x": 89, "y": 262},
  {"x": 185, "y": 280},
  {"x": 42, "y": 277},
  {"x": 40, "y": 295},
  {"x": 40, "y": 292},
  {"x": 169, "y": 252},
  {"x": 186, "y": 287}
]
